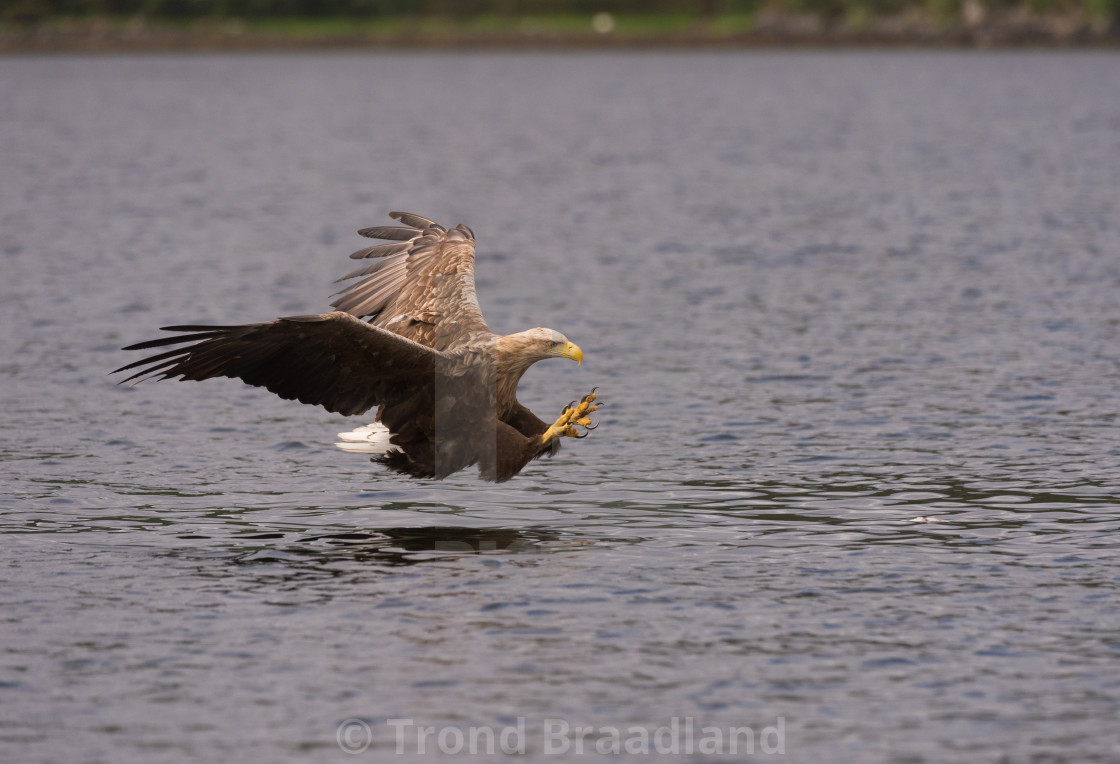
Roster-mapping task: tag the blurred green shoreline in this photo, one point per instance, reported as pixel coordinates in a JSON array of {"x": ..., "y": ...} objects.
[{"x": 970, "y": 25}]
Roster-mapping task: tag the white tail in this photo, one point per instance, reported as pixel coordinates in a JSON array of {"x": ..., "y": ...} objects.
[{"x": 373, "y": 438}]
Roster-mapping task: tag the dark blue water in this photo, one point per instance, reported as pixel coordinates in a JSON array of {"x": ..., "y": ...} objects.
[{"x": 855, "y": 318}]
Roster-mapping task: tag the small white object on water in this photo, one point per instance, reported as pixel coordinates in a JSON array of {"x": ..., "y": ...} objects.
[
  {"x": 602, "y": 23},
  {"x": 927, "y": 520},
  {"x": 373, "y": 438}
]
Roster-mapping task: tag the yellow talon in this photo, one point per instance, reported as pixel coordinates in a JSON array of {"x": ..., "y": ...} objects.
[{"x": 571, "y": 418}]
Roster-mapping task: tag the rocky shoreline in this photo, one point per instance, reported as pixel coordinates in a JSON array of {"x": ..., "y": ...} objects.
[{"x": 976, "y": 28}]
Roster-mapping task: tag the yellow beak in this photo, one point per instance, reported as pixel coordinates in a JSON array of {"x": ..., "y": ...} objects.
[{"x": 571, "y": 350}]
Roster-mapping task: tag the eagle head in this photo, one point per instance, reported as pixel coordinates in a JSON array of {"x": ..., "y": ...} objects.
[{"x": 517, "y": 352}]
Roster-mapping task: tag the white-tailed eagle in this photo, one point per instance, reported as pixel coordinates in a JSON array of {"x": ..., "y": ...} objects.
[{"x": 444, "y": 385}]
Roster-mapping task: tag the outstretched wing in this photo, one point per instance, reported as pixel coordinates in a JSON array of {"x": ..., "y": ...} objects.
[
  {"x": 331, "y": 360},
  {"x": 420, "y": 285}
]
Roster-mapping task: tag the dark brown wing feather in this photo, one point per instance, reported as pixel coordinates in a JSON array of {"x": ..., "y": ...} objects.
[
  {"x": 331, "y": 360},
  {"x": 422, "y": 288},
  {"x": 439, "y": 407}
]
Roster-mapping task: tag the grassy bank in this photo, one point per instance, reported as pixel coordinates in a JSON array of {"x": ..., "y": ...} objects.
[{"x": 971, "y": 25}]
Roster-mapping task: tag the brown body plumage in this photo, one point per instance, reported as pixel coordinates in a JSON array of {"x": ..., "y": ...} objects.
[{"x": 444, "y": 384}]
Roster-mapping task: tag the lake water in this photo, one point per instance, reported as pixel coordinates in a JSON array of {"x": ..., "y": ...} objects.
[{"x": 855, "y": 318}]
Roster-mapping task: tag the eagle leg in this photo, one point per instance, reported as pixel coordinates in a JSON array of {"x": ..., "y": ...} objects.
[{"x": 573, "y": 416}]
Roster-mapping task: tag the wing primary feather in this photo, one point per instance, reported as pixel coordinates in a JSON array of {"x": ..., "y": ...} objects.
[
  {"x": 391, "y": 232},
  {"x": 177, "y": 339},
  {"x": 414, "y": 220},
  {"x": 368, "y": 299},
  {"x": 381, "y": 250},
  {"x": 152, "y": 359},
  {"x": 365, "y": 270},
  {"x": 310, "y": 318},
  {"x": 149, "y": 372},
  {"x": 392, "y": 271}
]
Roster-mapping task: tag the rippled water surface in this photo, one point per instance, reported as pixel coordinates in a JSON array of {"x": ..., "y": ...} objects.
[{"x": 855, "y": 317}]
